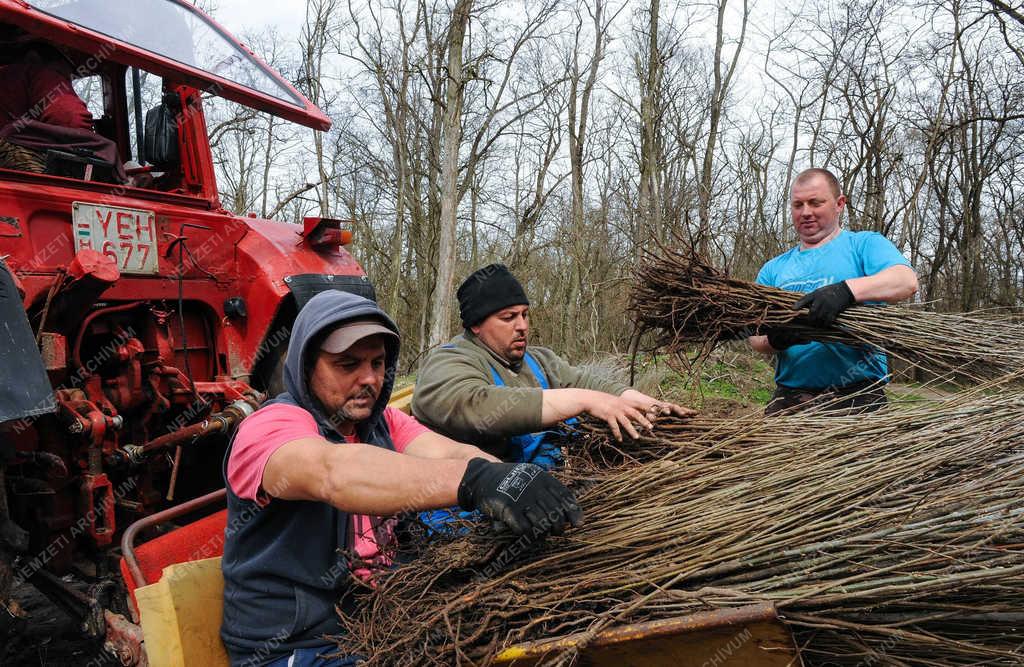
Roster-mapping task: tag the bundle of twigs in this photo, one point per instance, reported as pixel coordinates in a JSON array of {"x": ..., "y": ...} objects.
[
  {"x": 901, "y": 537},
  {"x": 684, "y": 301},
  {"x": 588, "y": 445}
]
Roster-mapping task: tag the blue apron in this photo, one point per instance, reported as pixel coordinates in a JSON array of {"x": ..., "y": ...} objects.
[
  {"x": 526, "y": 448},
  {"x": 532, "y": 447}
]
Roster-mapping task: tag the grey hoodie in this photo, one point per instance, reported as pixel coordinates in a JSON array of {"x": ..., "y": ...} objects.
[{"x": 325, "y": 311}]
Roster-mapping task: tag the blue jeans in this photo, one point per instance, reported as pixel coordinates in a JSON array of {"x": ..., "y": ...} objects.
[{"x": 311, "y": 657}]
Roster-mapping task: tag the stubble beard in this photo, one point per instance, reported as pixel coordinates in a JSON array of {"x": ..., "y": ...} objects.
[
  {"x": 342, "y": 414},
  {"x": 514, "y": 354}
]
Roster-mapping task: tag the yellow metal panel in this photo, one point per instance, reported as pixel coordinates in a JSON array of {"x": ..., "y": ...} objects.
[
  {"x": 181, "y": 615},
  {"x": 402, "y": 399}
]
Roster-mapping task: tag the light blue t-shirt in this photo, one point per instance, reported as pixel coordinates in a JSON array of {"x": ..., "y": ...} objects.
[{"x": 848, "y": 255}]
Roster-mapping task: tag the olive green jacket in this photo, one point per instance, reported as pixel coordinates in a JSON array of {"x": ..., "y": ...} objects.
[{"x": 455, "y": 393}]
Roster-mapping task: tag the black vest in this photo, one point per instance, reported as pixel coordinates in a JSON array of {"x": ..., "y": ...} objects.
[{"x": 283, "y": 566}]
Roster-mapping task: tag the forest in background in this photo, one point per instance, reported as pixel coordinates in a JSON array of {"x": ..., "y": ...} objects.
[{"x": 565, "y": 139}]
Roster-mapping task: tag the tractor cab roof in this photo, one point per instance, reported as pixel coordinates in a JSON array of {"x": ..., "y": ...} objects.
[{"x": 170, "y": 38}]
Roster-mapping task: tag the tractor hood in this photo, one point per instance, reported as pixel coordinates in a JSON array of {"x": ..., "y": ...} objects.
[{"x": 170, "y": 38}]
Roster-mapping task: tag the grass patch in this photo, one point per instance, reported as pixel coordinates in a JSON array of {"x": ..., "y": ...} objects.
[{"x": 731, "y": 380}]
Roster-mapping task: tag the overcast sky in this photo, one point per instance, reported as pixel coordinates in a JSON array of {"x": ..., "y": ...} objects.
[{"x": 239, "y": 16}]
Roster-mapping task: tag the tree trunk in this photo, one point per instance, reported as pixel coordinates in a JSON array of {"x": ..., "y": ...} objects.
[
  {"x": 451, "y": 127},
  {"x": 649, "y": 197},
  {"x": 719, "y": 93}
]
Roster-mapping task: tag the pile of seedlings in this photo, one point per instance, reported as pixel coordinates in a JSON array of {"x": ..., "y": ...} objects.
[{"x": 898, "y": 540}]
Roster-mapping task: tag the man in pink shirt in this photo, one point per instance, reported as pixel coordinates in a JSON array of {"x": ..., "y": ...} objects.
[{"x": 314, "y": 475}]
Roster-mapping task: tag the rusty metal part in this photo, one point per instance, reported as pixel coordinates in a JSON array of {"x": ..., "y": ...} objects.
[
  {"x": 91, "y": 607},
  {"x": 53, "y": 347},
  {"x": 128, "y": 539},
  {"x": 222, "y": 422},
  {"x": 75, "y": 602},
  {"x": 174, "y": 473},
  {"x": 187, "y": 434},
  {"x": 57, "y": 283},
  {"x": 84, "y": 417},
  {"x": 124, "y": 640},
  {"x": 98, "y": 495},
  {"x": 76, "y": 355}
]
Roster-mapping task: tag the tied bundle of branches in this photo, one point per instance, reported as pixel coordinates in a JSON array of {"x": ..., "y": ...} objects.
[
  {"x": 589, "y": 446},
  {"x": 685, "y": 301},
  {"x": 900, "y": 540}
]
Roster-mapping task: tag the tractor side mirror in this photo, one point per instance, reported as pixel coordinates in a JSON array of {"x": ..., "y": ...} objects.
[{"x": 161, "y": 141}]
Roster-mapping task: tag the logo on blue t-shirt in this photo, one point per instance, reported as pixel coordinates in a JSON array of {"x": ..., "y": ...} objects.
[
  {"x": 808, "y": 285},
  {"x": 848, "y": 255}
]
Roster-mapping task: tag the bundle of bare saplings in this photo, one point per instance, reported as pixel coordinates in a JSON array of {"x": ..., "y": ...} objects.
[
  {"x": 898, "y": 540},
  {"x": 685, "y": 302}
]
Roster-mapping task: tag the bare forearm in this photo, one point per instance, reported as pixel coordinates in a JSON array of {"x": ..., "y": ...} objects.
[
  {"x": 561, "y": 404},
  {"x": 381, "y": 482},
  {"x": 897, "y": 283},
  {"x": 357, "y": 477},
  {"x": 432, "y": 445}
]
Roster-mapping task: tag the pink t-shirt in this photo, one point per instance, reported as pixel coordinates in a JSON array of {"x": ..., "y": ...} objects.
[{"x": 262, "y": 432}]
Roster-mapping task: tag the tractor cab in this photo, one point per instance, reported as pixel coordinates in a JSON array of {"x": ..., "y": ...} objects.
[{"x": 138, "y": 71}]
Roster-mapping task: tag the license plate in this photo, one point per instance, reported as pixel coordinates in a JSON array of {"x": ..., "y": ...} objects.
[{"x": 126, "y": 235}]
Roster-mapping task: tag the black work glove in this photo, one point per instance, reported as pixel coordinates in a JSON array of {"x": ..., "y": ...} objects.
[
  {"x": 825, "y": 303},
  {"x": 781, "y": 339},
  {"x": 520, "y": 495}
]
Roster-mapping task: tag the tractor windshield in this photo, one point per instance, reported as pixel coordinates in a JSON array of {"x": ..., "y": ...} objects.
[{"x": 171, "y": 30}]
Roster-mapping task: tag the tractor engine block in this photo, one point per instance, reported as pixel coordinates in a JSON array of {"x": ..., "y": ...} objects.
[{"x": 137, "y": 382}]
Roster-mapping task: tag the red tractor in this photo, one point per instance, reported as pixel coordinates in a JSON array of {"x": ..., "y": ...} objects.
[{"x": 142, "y": 320}]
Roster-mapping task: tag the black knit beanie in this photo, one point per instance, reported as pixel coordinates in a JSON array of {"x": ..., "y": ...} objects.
[{"x": 486, "y": 291}]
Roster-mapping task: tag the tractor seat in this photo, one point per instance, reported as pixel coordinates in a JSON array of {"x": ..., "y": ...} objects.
[
  {"x": 176, "y": 586},
  {"x": 194, "y": 541}
]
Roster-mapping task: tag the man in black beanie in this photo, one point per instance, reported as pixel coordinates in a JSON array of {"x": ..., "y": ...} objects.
[{"x": 488, "y": 387}]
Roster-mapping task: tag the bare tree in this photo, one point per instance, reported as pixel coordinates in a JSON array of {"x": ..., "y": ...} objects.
[
  {"x": 722, "y": 74},
  {"x": 649, "y": 73},
  {"x": 451, "y": 133},
  {"x": 316, "y": 35}
]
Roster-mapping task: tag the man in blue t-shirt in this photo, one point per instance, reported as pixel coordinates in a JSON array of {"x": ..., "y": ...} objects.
[{"x": 836, "y": 268}]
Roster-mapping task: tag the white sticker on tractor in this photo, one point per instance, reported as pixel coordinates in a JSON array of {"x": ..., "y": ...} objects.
[{"x": 126, "y": 235}]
